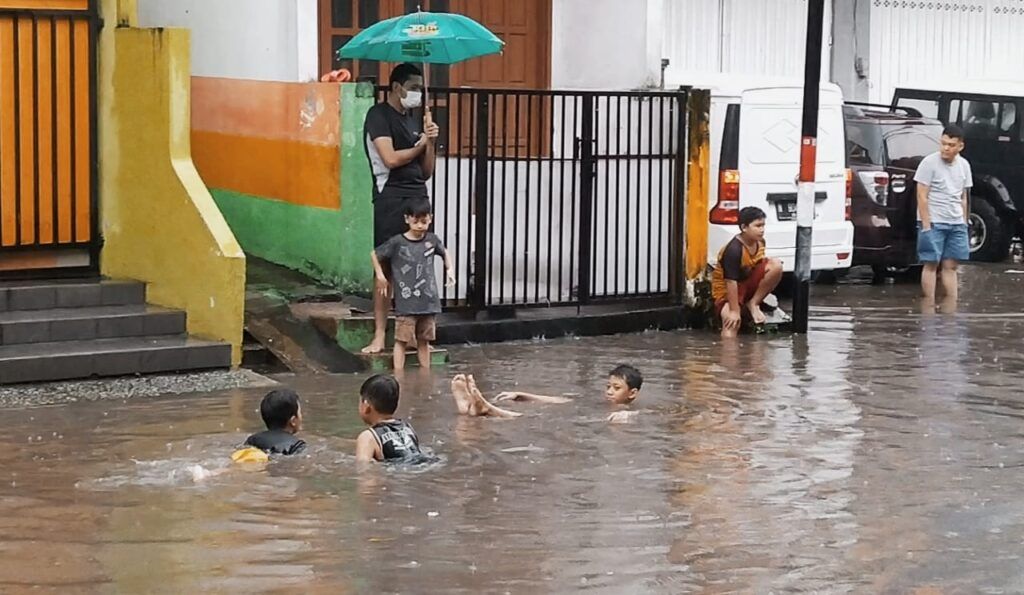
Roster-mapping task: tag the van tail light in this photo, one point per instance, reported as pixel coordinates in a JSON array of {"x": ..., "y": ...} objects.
[
  {"x": 727, "y": 211},
  {"x": 877, "y": 185},
  {"x": 849, "y": 194}
]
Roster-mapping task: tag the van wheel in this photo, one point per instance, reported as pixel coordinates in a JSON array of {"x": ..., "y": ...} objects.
[{"x": 988, "y": 238}]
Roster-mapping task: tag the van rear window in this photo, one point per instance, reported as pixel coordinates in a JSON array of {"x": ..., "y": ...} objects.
[{"x": 730, "y": 158}]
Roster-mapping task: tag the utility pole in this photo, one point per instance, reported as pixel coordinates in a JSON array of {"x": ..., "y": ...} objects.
[{"x": 808, "y": 160}]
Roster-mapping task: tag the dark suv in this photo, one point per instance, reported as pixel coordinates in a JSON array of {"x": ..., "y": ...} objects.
[
  {"x": 987, "y": 112},
  {"x": 883, "y": 149}
]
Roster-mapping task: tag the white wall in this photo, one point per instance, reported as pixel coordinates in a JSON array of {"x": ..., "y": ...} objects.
[
  {"x": 600, "y": 44},
  {"x": 250, "y": 39},
  {"x": 747, "y": 37},
  {"x": 966, "y": 39}
]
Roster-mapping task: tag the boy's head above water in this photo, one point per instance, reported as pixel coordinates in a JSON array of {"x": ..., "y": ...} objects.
[
  {"x": 624, "y": 384},
  {"x": 752, "y": 221},
  {"x": 378, "y": 398},
  {"x": 280, "y": 410}
]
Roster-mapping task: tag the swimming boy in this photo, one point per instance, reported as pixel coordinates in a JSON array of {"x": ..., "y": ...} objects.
[
  {"x": 387, "y": 438},
  {"x": 623, "y": 387},
  {"x": 282, "y": 414},
  {"x": 743, "y": 276},
  {"x": 417, "y": 299}
]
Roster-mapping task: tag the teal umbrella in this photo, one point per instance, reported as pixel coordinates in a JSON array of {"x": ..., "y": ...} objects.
[{"x": 430, "y": 37}]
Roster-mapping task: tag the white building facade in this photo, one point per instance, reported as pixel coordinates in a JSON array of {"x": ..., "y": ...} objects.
[{"x": 870, "y": 46}]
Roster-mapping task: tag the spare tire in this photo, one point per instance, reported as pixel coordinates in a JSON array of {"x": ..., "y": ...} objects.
[{"x": 989, "y": 238}]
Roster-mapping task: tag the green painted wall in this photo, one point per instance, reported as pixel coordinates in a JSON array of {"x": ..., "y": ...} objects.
[
  {"x": 332, "y": 246},
  {"x": 356, "y": 233}
]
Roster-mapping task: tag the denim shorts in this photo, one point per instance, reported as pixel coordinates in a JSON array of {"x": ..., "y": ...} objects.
[{"x": 944, "y": 241}]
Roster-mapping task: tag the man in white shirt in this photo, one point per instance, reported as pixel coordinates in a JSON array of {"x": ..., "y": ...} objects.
[{"x": 943, "y": 182}]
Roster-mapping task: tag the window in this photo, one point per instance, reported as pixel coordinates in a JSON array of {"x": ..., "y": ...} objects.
[
  {"x": 929, "y": 108},
  {"x": 911, "y": 142},
  {"x": 341, "y": 20},
  {"x": 985, "y": 120},
  {"x": 863, "y": 144}
]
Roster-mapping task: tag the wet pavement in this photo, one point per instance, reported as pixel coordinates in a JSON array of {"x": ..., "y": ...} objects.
[{"x": 881, "y": 453}]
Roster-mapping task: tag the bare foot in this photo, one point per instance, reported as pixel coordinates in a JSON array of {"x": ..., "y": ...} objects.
[
  {"x": 460, "y": 392},
  {"x": 376, "y": 346},
  {"x": 756, "y": 314},
  {"x": 481, "y": 405}
]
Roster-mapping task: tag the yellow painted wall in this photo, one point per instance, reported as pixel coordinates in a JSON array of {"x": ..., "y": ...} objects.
[
  {"x": 698, "y": 112},
  {"x": 159, "y": 222}
]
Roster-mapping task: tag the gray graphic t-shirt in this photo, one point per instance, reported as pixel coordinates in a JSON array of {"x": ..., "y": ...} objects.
[{"x": 412, "y": 273}]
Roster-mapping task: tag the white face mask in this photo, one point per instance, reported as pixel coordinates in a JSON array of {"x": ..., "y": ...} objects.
[{"x": 412, "y": 99}]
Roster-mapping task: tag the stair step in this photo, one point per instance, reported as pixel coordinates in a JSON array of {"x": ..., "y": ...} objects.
[
  {"x": 44, "y": 362},
  {"x": 385, "y": 360},
  {"x": 77, "y": 324},
  {"x": 47, "y": 295}
]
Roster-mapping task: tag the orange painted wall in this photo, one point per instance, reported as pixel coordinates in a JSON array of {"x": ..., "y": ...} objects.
[{"x": 268, "y": 139}]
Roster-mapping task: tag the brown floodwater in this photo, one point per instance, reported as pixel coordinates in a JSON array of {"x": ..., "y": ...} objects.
[{"x": 880, "y": 453}]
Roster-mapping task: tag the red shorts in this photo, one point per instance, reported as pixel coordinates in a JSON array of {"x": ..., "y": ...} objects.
[{"x": 747, "y": 287}]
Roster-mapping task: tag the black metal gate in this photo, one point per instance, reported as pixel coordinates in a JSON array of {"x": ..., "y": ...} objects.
[{"x": 560, "y": 197}]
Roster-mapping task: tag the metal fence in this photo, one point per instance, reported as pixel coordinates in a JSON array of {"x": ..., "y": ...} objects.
[{"x": 559, "y": 198}]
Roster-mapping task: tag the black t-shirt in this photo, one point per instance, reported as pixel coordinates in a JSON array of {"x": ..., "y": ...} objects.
[
  {"x": 276, "y": 442},
  {"x": 404, "y": 130},
  {"x": 397, "y": 439}
]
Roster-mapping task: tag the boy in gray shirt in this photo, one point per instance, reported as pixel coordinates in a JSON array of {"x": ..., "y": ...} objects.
[
  {"x": 943, "y": 181},
  {"x": 417, "y": 297}
]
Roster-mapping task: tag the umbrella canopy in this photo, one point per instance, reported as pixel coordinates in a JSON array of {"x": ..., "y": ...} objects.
[{"x": 433, "y": 38}]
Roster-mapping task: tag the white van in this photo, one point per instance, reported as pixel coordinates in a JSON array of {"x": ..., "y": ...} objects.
[{"x": 755, "y": 160}]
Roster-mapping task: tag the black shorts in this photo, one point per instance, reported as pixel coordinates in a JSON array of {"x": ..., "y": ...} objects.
[{"x": 388, "y": 218}]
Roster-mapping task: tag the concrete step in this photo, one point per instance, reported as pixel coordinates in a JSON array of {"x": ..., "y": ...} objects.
[
  {"x": 43, "y": 362},
  {"x": 79, "y": 324},
  {"x": 385, "y": 360},
  {"x": 51, "y": 294}
]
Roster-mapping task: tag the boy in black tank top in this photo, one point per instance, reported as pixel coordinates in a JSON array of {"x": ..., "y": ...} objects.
[{"x": 388, "y": 438}]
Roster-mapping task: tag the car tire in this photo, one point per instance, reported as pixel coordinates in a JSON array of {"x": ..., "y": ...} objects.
[{"x": 989, "y": 238}]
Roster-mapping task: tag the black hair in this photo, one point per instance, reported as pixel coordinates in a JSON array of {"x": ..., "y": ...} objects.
[
  {"x": 634, "y": 379},
  {"x": 750, "y": 214},
  {"x": 381, "y": 391},
  {"x": 418, "y": 207},
  {"x": 402, "y": 73},
  {"x": 278, "y": 407},
  {"x": 953, "y": 131}
]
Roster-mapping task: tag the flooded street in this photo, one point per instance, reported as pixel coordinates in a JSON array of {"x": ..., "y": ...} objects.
[{"x": 881, "y": 453}]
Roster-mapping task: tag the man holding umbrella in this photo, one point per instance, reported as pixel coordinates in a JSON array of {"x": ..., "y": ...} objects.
[
  {"x": 400, "y": 147},
  {"x": 401, "y": 150}
]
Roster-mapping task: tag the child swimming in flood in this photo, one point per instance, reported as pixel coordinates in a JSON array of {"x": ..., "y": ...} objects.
[
  {"x": 387, "y": 438},
  {"x": 282, "y": 414},
  {"x": 623, "y": 387}
]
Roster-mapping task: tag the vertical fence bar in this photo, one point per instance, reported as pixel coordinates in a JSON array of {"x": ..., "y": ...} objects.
[
  {"x": 678, "y": 210},
  {"x": 650, "y": 188},
  {"x": 489, "y": 150},
  {"x": 515, "y": 195},
  {"x": 526, "y": 199},
  {"x": 561, "y": 210},
  {"x": 17, "y": 129},
  {"x": 504, "y": 199},
  {"x": 628, "y": 157},
  {"x": 575, "y": 274},
  {"x": 540, "y": 193},
  {"x": 587, "y": 173},
  {"x": 54, "y": 136},
  {"x": 480, "y": 198},
  {"x": 458, "y": 187},
  {"x": 471, "y": 139}
]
